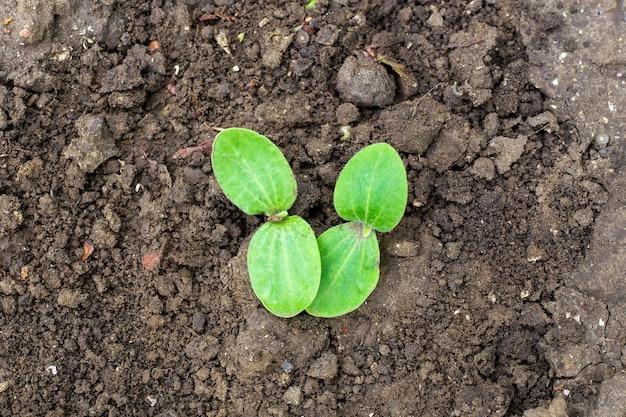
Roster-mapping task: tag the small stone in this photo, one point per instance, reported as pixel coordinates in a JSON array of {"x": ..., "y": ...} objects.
[
  {"x": 534, "y": 253},
  {"x": 325, "y": 367},
  {"x": 508, "y": 151},
  {"x": 286, "y": 366},
  {"x": 293, "y": 395},
  {"x": 327, "y": 35},
  {"x": 273, "y": 45},
  {"x": 558, "y": 408},
  {"x": 70, "y": 298},
  {"x": 435, "y": 20},
  {"x": 197, "y": 322},
  {"x": 602, "y": 140},
  {"x": 384, "y": 350},
  {"x": 347, "y": 113},
  {"x": 491, "y": 124},
  {"x": 483, "y": 168},
  {"x": 4, "y": 385},
  {"x": 365, "y": 82},
  {"x": 473, "y": 6},
  {"x": 94, "y": 144},
  {"x": 584, "y": 217}
]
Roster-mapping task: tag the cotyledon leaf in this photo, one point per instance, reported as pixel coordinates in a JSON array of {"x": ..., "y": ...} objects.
[
  {"x": 284, "y": 266},
  {"x": 253, "y": 172},
  {"x": 372, "y": 188},
  {"x": 350, "y": 269}
]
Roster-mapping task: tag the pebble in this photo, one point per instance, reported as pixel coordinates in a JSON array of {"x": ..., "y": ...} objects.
[
  {"x": 197, "y": 322},
  {"x": 602, "y": 140},
  {"x": 473, "y": 6},
  {"x": 435, "y": 20},
  {"x": 366, "y": 83},
  {"x": 483, "y": 168},
  {"x": 286, "y": 366},
  {"x": 324, "y": 367},
  {"x": 293, "y": 395}
]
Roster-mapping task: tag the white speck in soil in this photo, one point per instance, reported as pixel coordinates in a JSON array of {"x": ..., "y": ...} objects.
[
  {"x": 52, "y": 369},
  {"x": 152, "y": 400}
]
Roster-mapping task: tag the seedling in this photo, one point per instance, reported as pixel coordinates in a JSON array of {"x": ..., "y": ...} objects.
[
  {"x": 371, "y": 193},
  {"x": 283, "y": 257}
]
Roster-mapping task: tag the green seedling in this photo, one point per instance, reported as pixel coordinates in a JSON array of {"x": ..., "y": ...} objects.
[
  {"x": 372, "y": 188},
  {"x": 253, "y": 172},
  {"x": 350, "y": 262},
  {"x": 371, "y": 193},
  {"x": 283, "y": 257}
]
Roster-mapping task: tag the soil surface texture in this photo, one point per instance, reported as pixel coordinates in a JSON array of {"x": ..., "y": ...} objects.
[{"x": 123, "y": 283}]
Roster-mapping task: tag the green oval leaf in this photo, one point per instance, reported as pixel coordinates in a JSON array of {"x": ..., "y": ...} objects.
[
  {"x": 284, "y": 266},
  {"x": 372, "y": 188},
  {"x": 253, "y": 172},
  {"x": 350, "y": 260}
]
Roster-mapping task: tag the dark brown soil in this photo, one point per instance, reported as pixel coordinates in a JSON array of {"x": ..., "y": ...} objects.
[{"x": 476, "y": 313}]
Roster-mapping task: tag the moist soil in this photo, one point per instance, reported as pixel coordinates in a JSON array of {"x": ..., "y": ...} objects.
[{"x": 123, "y": 283}]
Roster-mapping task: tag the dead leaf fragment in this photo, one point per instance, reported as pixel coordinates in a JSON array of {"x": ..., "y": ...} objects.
[
  {"x": 87, "y": 250},
  {"x": 152, "y": 259}
]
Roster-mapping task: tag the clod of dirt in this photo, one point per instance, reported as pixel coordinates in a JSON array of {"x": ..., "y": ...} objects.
[
  {"x": 273, "y": 46},
  {"x": 491, "y": 125},
  {"x": 347, "y": 113},
  {"x": 324, "y": 367},
  {"x": 293, "y": 395},
  {"x": 70, "y": 298},
  {"x": 128, "y": 74},
  {"x": 570, "y": 358},
  {"x": 466, "y": 60},
  {"x": 287, "y": 111},
  {"x": 35, "y": 19},
  {"x": 411, "y": 126},
  {"x": 612, "y": 401},
  {"x": 546, "y": 120},
  {"x": 364, "y": 82},
  {"x": 94, "y": 143},
  {"x": 10, "y": 214},
  {"x": 535, "y": 253},
  {"x": 483, "y": 168},
  {"x": 451, "y": 144},
  {"x": 33, "y": 78},
  {"x": 203, "y": 348},
  {"x": 435, "y": 20},
  {"x": 28, "y": 172},
  {"x": 584, "y": 217},
  {"x": 557, "y": 408},
  {"x": 486, "y": 399},
  {"x": 4, "y": 120},
  {"x": 507, "y": 151},
  {"x": 327, "y": 35},
  {"x": 257, "y": 346}
]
